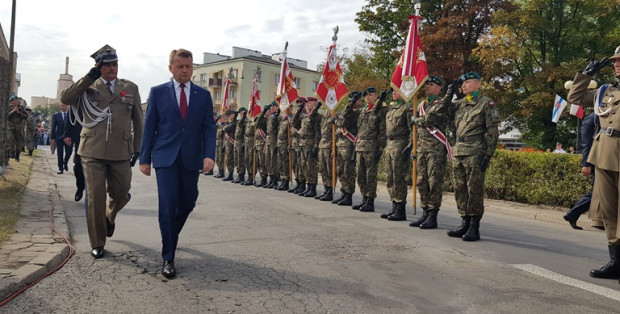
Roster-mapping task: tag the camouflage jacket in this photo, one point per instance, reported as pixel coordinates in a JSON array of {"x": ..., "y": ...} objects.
[
  {"x": 436, "y": 116},
  {"x": 476, "y": 124},
  {"x": 283, "y": 129},
  {"x": 240, "y": 131},
  {"x": 371, "y": 129},
  {"x": 346, "y": 123},
  {"x": 397, "y": 122},
  {"x": 326, "y": 131},
  {"x": 272, "y": 129},
  {"x": 260, "y": 124},
  {"x": 309, "y": 123}
]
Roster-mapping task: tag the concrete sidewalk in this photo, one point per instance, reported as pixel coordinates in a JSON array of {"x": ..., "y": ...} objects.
[{"x": 33, "y": 251}]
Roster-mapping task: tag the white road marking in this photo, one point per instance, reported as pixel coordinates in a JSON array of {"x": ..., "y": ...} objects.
[{"x": 543, "y": 272}]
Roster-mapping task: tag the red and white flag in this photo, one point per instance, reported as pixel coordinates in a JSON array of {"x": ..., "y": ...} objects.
[
  {"x": 576, "y": 111},
  {"x": 411, "y": 72},
  {"x": 225, "y": 104},
  {"x": 255, "y": 107},
  {"x": 331, "y": 89},
  {"x": 287, "y": 91}
]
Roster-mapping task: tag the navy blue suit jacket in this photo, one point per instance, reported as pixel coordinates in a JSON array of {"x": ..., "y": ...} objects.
[
  {"x": 589, "y": 127},
  {"x": 58, "y": 126},
  {"x": 166, "y": 134}
]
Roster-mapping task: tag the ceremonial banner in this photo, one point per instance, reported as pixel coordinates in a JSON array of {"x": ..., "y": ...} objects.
[
  {"x": 331, "y": 89},
  {"x": 287, "y": 91},
  {"x": 558, "y": 107},
  {"x": 255, "y": 107},
  {"x": 225, "y": 105},
  {"x": 411, "y": 72},
  {"x": 576, "y": 111}
]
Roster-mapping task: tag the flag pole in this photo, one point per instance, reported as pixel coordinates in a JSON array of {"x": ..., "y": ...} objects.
[
  {"x": 290, "y": 148},
  {"x": 414, "y": 149},
  {"x": 333, "y": 156}
]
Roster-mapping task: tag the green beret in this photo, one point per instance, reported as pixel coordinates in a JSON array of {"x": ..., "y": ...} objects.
[
  {"x": 370, "y": 90},
  {"x": 274, "y": 103},
  {"x": 13, "y": 98},
  {"x": 470, "y": 75},
  {"x": 435, "y": 79},
  {"x": 242, "y": 109},
  {"x": 229, "y": 112},
  {"x": 355, "y": 95}
]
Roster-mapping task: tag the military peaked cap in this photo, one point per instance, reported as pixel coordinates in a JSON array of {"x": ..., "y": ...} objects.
[{"x": 105, "y": 54}]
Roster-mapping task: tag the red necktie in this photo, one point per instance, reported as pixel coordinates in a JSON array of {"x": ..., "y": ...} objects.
[{"x": 183, "y": 102}]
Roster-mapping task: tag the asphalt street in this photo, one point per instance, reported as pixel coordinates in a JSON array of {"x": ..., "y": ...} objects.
[{"x": 253, "y": 250}]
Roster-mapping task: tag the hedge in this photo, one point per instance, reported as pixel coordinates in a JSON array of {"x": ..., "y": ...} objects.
[{"x": 533, "y": 178}]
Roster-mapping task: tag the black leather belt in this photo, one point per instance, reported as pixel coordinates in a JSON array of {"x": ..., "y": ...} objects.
[
  {"x": 471, "y": 138},
  {"x": 610, "y": 132}
]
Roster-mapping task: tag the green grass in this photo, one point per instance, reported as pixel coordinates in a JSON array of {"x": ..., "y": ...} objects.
[{"x": 11, "y": 192}]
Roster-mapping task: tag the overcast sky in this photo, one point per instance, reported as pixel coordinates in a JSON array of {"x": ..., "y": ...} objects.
[{"x": 145, "y": 31}]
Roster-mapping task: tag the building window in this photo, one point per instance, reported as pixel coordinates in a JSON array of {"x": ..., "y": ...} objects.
[
  {"x": 218, "y": 95},
  {"x": 297, "y": 83},
  {"x": 315, "y": 86},
  {"x": 233, "y": 73},
  {"x": 277, "y": 81},
  {"x": 258, "y": 75},
  {"x": 203, "y": 77},
  {"x": 233, "y": 93}
]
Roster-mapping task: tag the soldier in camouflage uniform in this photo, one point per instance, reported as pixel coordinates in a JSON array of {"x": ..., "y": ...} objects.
[
  {"x": 371, "y": 141},
  {"x": 325, "y": 157},
  {"x": 284, "y": 129},
  {"x": 476, "y": 120},
  {"x": 240, "y": 146},
  {"x": 250, "y": 128},
  {"x": 220, "y": 150},
  {"x": 296, "y": 160},
  {"x": 271, "y": 150},
  {"x": 30, "y": 132},
  {"x": 259, "y": 144},
  {"x": 346, "y": 129},
  {"x": 397, "y": 154},
  {"x": 15, "y": 126},
  {"x": 431, "y": 153},
  {"x": 309, "y": 123},
  {"x": 229, "y": 144}
]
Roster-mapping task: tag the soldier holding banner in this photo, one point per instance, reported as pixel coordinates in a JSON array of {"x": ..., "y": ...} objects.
[
  {"x": 297, "y": 161},
  {"x": 283, "y": 148},
  {"x": 309, "y": 123},
  {"x": 346, "y": 131},
  {"x": 259, "y": 145},
  {"x": 325, "y": 156}
]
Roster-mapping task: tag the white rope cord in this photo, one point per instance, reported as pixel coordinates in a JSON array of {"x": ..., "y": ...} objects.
[
  {"x": 597, "y": 107},
  {"x": 94, "y": 113}
]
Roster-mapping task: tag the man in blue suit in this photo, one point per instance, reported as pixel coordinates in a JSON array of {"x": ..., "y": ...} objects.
[
  {"x": 63, "y": 150},
  {"x": 179, "y": 139}
]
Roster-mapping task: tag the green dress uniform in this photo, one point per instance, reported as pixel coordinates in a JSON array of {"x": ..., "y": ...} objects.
[
  {"x": 229, "y": 144},
  {"x": 259, "y": 146},
  {"x": 240, "y": 149},
  {"x": 476, "y": 120},
  {"x": 106, "y": 146},
  {"x": 271, "y": 151},
  {"x": 309, "y": 123},
  {"x": 250, "y": 128},
  {"x": 283, "y": 150},
  {"x": 398, "y": 133},
  {"x": 325, "y": 157},
  {"x": 604, "y": 156},
  {"x": 371, "y": 141},
  {"x": 220, "y": 151},
  {"x": 346, "y": 131}
]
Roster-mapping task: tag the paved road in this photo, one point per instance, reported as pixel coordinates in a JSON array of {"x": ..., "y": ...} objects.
[{"x": 250, "y": 250}]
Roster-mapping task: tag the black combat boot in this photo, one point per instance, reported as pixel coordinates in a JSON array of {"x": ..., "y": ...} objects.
[
  {"x": 329, "y": 195},
  {"x": 239, "y": 179},
  {"x": 431, "y": 221},
  {"x": 268, "y": 182},
  {"x": 391, "y": 212},
  {"x": 274, "y": 182},
  {"x": 263, "y": 181},
  {"x": 249, "y": 181},
  {"x": 462, "y": 229},
  {"x": 219, "y": 174},
  {"x": 358, "y": 206},
  {"x": 311, "y": 191},
  {"x": 422, "y": 219},
  {"x": 400, "y": 214},
  {"x": 324, "y": 192},
  {"x": 473, "y": 233},
  {"x": 300, "y": 188},
  {"x": 17, "y": 156},
  {"x": 283, "y": 186},
  {"x": 369, "y": 206},
  {"x": 612, "y": 269},
  {"x": 306, "y": 189},
  {"x": 293, "y": 189},
  {"x": 347, "y": 200},
  {"x": 229, "y": 177},
  {"x": 342, "y": 196}
]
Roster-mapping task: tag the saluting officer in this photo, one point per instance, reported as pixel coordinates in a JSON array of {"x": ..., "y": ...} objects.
[
  {"x": 604, "y": 155},
  {"x": 371, "y": 141},
  {"x": 309, "y": 123},
  {"x": 431, "y": 120},
  {"x": 111, "y": 106},
  {"x": 346, "y": 130},
  {"x": 476, "y": 120}
]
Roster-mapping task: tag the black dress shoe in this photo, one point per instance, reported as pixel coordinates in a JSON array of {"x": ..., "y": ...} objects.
[
  {"x": 110, "y": 228},
  {"x": 168, "y": 269},
  {"x": 79, "y": 194},
  {"x": 66, "y": 167},
  {"x": 572, "y": 222},
  {"x": 59, "y": 172},
  {"x": 97, "y": 252}
]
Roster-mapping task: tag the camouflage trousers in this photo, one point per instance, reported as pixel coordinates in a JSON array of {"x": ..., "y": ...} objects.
[
  {"x": 325, "y": 166},
  {"x": 240, "y": 158},
  {"x": 396, "y": 170},
  {"x": 345, "y": 168},
  {"x": 310, "y": 166},
  {"x": 431, "y": 168},
  {"x": 220, "y": 154},
  {"x": 283, "y": 162},
  {"x": 15, "y": 139},
  {"x": 366, "y": 168},
  {"x": 230, "y": 156},
  {"x": 469, "y": 185},
  {"x": 248, "y": 155},
  {"x": 260, "y": 160},
  {"x": 271, "y": 160},
  {"x": 297, "y": 162},
  {"x": 30, "y": 139}
]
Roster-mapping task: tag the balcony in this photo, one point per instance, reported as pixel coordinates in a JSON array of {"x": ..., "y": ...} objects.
[{"x": 215, "y": 82}]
